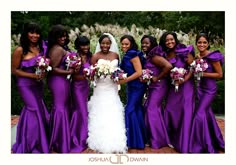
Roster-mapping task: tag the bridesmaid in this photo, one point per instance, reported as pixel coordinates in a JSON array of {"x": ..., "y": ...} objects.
[
  {"x": 157, "y": 92},
  {"x": 147, "y": 44},
  {"x": 60, "y": 89},
  {"x": 32, "y": 127},
  {"x": 132, "y": 63},
  {"x": 206, "y": 136},
  {"x": 80, "y": 93},
  {"x": 179, "y": 108}
]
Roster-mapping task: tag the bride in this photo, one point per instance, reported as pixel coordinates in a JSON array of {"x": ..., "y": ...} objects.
[{"x": 106, "y": 123}]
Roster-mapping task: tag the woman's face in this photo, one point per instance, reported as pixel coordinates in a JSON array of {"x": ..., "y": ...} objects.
[
  {"x": 125, "y": 45},
  {"x": 105, "y": 45},
  {"x": 170, "y": 41},
  {"x": 33, "y": 37},
  {"x": 146, "y": 45},
  {"x": 84, "y": 48},
  {"x": 61, "y": 40},
  {"x": 202, "y": 44}
]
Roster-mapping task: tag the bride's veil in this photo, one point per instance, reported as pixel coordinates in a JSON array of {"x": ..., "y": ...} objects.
[{"x": 113, "y": 48}]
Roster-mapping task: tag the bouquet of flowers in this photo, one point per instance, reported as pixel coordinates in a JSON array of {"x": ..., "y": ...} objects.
[
  {"x": 199, "y": 66},
  {"x": 104, "y": 68},
  {"x": 118, "y": 74},
  {"x": 177, "y": 74},
  {"x": 146, "y": 75},
  {"x": 72, "y": 61},
  {"x": 89, "y": 73},
  {"x": 42, "y": 65}
]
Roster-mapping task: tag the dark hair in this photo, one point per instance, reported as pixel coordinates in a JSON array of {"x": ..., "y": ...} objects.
[
  {"x": 102, "y": 37},
  {"x": 163, "y": 40},
  {"x": 57, "y": 31},
  {"x": 152, "y": 40},
  {"x": 82, "y": 41},
  {"x": 202, "y": 34},
  {"x": 24, "y": 40},
  {"x": 133, "y": 44}
]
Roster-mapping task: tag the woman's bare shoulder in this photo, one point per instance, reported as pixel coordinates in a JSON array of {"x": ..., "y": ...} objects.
[{"x": 18, "y": 49}]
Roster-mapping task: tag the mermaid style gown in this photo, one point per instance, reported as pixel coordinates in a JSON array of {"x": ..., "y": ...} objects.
[
  {"x": 154, "y": 118},
  {"x": 134, "y": 110},
  {"x": 79, "y": 120},
  {"x": 32, "y": 135},
  {"x": 106, "y": 124},
  {"x": 59, "y": 118},
  {"x": 179, "y": 109},
  {"x": 206, "y": 136}
]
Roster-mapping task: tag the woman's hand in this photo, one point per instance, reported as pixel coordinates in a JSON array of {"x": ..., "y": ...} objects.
[
  {"x": 40, "y": 76},
  {"x": 142, "y": 80},
  {"x": 154, "y": 79},
  {"x": 179, "y": 82},
  {"x": 71, "y": 70},
  {"x": 123, "y": 81},
  {"x": 77, "y": 69}
]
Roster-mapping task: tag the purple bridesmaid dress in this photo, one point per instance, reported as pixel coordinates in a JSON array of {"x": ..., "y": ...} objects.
[
  {"x": 32, "y": 127},
  {"x": 206, "y": 136},
  {"x": 154, "y": 120},
  {"x": 79, "y": 120},
  {"x": 59, "y": 120},
  {"x": 179, "y": 109}
]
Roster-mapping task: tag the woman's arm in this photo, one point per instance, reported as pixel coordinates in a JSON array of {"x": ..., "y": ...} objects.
[
  {"x": 138, "y": 70},
  {"x": 163, "y": 64},
  {"x": 15, "y": 66},
  {"x": 189, "y": 61},
  {"x": 56, "y": 54},
  {"x": 218, "y": 71}
]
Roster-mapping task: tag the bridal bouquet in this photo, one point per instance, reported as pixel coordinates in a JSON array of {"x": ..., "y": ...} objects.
[
  {"x": 42, "y": 65},
  {"x": 72, "y": 61},
  {"x": 177, "y": 74},
  {"x": 104, "y": 68},
  {"x": 199, "y": 66},
  {"x": 146, "y": 75},
  {"x": 118, "y": 74}
]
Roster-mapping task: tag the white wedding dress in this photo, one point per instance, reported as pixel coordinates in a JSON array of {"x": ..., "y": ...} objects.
[{"x": 106, "y": 123}]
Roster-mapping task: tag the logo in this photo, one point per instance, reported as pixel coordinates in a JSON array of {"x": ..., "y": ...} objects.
[{"x": 118, "y": 159}]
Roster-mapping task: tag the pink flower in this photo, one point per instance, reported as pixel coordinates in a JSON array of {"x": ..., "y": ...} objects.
[
  {"x": 90, "y": 73},
  {"x": 199, "y": 66},
  {"x": 72, "y": 61},
  {"x": 118, "y": 74},
  {"x": 146, "y": 75},
  {"x": 42, "y": 64},
  {"x": 177, "y": 74}
]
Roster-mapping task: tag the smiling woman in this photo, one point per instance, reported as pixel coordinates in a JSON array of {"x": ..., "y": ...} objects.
[
  {"x": 106, "y": 125},
  {"x": 34, "y": 115},
  {"x": 206, "y": 135},
  {"x": 60, "y": 88}
]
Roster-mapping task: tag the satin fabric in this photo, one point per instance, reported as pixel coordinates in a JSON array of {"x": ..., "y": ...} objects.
[
  {"x": 180, "y": 105},
  {"x": 32, "y": 128},
  {"x": 206, "y": 136},
  {"x": 134, "y": 110},
  {"x": 59, "y": 120},
  {"x": 154, "y": 105},
  {"x": 79, "y": 119}
]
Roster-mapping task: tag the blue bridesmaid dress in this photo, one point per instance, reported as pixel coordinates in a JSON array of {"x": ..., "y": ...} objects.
[{"x": 134, "y": 111}]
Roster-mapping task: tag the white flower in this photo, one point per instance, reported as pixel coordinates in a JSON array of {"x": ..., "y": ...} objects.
[{"x": 49, "y": 68}]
